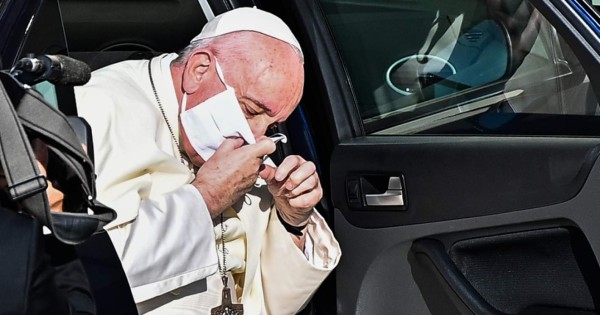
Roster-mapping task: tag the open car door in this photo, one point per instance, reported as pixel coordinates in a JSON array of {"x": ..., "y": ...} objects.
[{"x": 459, "y": 142}]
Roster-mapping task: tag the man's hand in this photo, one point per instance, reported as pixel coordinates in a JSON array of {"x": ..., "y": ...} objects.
[
  {"x": 296, "y": 188},
  {"x": 230, "y": 173}
]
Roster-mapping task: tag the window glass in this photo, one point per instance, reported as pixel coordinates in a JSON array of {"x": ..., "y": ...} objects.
[
  {"x": 468, "y": 66},
  {"x": 48, "y": 92},
  {"x": 594, "y": 3}
]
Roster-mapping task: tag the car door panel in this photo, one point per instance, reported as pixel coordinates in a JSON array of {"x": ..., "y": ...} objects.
[
  {"x": 491, "y": 187},
  {"x": 456, "y": 177}
]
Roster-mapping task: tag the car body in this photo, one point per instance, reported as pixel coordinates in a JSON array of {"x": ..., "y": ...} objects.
[{"x": 456, "y": 141}]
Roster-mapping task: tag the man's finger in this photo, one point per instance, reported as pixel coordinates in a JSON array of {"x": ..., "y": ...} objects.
[
  {"x": 307, "y": 185},
  {"x": 299, "y": 175},
  {"x": 229, "y": 145},
  {"x": 261, "y": 148},
  {"x": 307, "y": 200},
  {"x": 287, "y": 166}
]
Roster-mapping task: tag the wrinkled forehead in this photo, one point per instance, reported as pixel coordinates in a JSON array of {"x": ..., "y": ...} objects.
[
  {"x": 278, "y": 87},
  {"x": 271, "y": 73}
]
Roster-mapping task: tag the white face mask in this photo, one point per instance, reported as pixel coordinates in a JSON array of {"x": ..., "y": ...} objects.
[{"x": 210, "y": 122}]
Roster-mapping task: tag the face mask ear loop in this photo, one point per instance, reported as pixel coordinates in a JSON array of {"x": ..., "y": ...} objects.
[
  {"x": 183, "y": 102},
  {"x": 220, "y": 74}
]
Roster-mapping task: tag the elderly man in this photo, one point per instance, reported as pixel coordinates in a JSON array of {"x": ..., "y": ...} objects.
[{"x": 179, "y": 149}]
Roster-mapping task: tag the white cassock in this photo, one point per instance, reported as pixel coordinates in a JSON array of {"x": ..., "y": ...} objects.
[{"x": 163, "y": 233}]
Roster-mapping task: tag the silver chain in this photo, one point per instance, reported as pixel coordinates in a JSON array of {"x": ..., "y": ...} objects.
[
  {"x": 162, "y": 111},
  {"x": 222, "y": 269}
]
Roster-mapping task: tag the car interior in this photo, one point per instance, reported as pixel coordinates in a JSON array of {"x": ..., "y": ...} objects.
[{"x": 129, "y": 32}]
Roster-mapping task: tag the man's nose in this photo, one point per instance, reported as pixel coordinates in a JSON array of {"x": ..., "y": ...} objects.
[{"x": 261, "y": 129}]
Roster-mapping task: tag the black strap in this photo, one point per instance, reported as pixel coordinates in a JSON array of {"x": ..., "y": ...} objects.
[
  {"x": 54, "y": 128},
  {"x": 18, "y": 161},
  {"x": 296, "y": 230},
  {"x": 24, "y": 179}
]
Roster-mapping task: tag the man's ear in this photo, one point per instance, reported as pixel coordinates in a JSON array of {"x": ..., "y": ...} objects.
[{"x": 196, "y": 67}]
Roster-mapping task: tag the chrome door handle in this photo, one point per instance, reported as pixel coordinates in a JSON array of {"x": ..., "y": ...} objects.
[{"x": 392, "y": 197}]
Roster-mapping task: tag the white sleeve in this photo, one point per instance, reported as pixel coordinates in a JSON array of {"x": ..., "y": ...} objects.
[
  {"x": 309, "y": 249},
  {"x": 170, "y": 244},
  {"x": 283, "y": 264}
]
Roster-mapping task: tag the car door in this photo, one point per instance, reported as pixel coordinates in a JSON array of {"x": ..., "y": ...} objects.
[{"x": 458, "y": 143}]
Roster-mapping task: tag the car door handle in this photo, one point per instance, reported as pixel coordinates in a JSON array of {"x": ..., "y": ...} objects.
[{"x": 393, "y": 196}]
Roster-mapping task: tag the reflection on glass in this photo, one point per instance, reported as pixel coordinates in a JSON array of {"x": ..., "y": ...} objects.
[
  {"x": 410, "y": 74},
  {"x": 422, "y": 62}
]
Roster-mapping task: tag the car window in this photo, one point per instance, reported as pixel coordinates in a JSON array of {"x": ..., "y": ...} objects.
[{"x": 469, "y": 66}]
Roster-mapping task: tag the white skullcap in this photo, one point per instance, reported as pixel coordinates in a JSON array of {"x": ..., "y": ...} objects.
[{"x": 248, "y": 19}]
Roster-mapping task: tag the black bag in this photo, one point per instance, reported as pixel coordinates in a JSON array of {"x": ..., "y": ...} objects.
[
  {"x": 44, "y": 274},
  {"x": 23, "y": 112},
  {"x": 39, "y": 274},
  {"x": 75, "y": 270}
]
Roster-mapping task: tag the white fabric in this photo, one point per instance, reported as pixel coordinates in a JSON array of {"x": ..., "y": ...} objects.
[
  {"x": 141, "y": 177},
  {"x": 209, "y": 123},
  {"x": 248, "y": 19},
  {"x": 157, "y": 234},
  {"x": 309, "y": 248}
]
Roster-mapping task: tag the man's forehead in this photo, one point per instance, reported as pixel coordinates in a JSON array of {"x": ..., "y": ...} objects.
[{"x": 273, "y": 80}]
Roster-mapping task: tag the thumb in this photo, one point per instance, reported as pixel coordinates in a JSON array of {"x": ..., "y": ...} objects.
[{"x": 267, "y": 173}]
